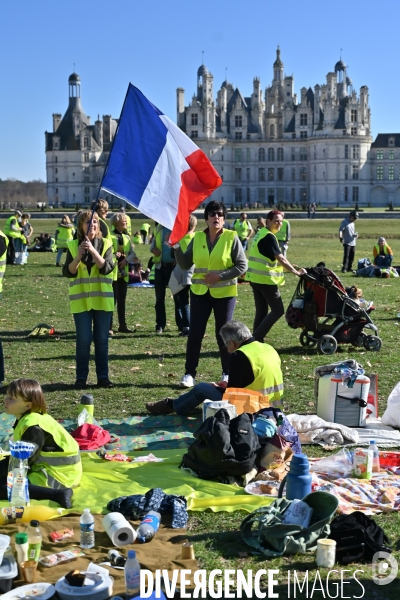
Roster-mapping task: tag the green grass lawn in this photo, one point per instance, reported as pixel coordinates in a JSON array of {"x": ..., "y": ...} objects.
[{"x": 147, "y": 367}]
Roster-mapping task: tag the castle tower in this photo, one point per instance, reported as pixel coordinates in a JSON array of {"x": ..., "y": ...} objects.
[{"x": 278, "y": 68}]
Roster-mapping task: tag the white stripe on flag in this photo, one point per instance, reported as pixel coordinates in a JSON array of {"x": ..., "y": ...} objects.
[{"x": 186, "y": 145}]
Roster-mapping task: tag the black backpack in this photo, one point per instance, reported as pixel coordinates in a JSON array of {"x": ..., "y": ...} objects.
[
  {"x": 357, "y": 538},
  {"x": 223, "y": 447}
]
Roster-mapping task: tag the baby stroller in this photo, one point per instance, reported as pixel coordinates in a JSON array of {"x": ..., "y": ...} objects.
[{"x": 328, "y": 316}]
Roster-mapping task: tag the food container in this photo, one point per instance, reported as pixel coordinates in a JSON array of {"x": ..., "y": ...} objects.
[
  {"x": 96, "y": 587},
  {"x": 8, "y": 572},
  {"x": 4, "y": 543},
  {"x": 326, "y": 553}
]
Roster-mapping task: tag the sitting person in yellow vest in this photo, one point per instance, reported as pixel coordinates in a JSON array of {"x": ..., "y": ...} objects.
[
  {"x": 55, "y": 468},
  {"x": 252, "y": 365},
  {"x": 89, "y": 266},
  {"x": 137, "y": 238},
  {"x": 64, "y": 234},
  {"x": 383, "y": 254}
]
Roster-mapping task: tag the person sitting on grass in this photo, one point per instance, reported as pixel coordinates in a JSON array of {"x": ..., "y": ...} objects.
[
  {"x": 55, "y": 467},
  {"x": 383, "y": 254},
  {"x": 252, "y": 365}
]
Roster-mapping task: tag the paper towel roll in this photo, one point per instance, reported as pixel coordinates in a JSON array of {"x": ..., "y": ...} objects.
[{"x": 119, "y": 530}]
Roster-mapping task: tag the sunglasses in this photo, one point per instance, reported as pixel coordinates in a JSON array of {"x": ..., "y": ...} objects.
[{"x": 215, "y": 213}]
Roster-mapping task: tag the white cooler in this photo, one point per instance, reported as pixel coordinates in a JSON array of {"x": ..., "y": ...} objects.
[{"x": 339, "y": 404}]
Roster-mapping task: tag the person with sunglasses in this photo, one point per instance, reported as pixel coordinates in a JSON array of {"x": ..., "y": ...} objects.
[{"x": 219, "y": 259}]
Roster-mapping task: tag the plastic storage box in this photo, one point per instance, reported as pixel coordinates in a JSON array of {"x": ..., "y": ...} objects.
[
  {"x": 339, "y": 404},
  {"x": 8, "y": 572}
]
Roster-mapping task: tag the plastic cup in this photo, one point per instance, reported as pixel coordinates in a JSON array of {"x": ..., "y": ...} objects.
[
  {"x": 28, "y": 569},
  {"x": 187, "y": 551},
  {"x": 326, "y": 553}
]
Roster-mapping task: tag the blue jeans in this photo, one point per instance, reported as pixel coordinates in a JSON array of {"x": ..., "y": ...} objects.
[
  {"x": 99, "y": 321},
  {"x": 59, "y": 255},
  {"x": 201, "y": 307},
  {"x": 383, "y": 261},
  {"x": 188, "y": 401}
]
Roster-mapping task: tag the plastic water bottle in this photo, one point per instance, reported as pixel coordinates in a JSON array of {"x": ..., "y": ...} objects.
[
  {"x": 19, "y": 487},
  {"x": 34, "y": 540},
  {"x": 87, "y": 529},
  {"x": 148, "y": 527},
  {"x": 132, "y": 575},
  {"x": 375, "y": 457}
]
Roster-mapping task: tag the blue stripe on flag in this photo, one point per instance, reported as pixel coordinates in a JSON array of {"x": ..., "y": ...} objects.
[{"x": 139, "y": 141}]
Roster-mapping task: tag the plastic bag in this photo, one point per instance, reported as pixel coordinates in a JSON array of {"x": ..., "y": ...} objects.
[
  {"x": 391, "y": 416},
  {"x": 85, "y": 417},
  {"x": 337, "y": 465}
]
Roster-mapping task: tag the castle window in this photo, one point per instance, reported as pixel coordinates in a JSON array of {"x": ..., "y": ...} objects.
[
  {"x": 279, "y": 154},
  {"x": 86, "y": 178},
  {"x": 356, "y": 151},
  {"x": 195, "y": 119},
  {"x": 355, "y": 193},
  {"x": 248, "y": 195},
  {"x": 391, "y": 154},
  {"x": 293, "y": 174},
  {"x": 56, "y": 159},
  {"x": 391, "y": 172},
  {"x": 271, "y": 174},
  {"x": 55, "y": 170},
  {"x": 346, "y": 171},
  {"x": 85, "y": 157},
  {"x": 56, "y": 179},
  {"x": 248, "y": 174},
  {"x": 261, "y": 155},
  {"x": 238, "y": 174},
  {"x": 353, "y": 131},
  {"x": 238, "y": 195},
  {"x": 280, "y": 173},
  {"x": 293, "y": 136},
  {"x": 346, "y": 151},
  {"x": 248, "y": 154},
  {"x": 87, "y": 190},
  {"x": 261, "y": 174},
  {"x": 238, "y": 120},
  {"x": 247, "y": 136},
  {"x": 293, "y": 153},
  {"x": 293, "y": 194},
  {"x": 354, "y": 116},
  {"x": 271, "y": 155},
  {"x": 303, "y": 119},
  {"x": 86, "y": 142},
  {"x": 346, "y": 194},
  {"x": 355, "y": 171},
  {"x": 272, "y": 131},
  {"x": 194, "y": 134},
  {"x": 379, "y": 172},
  {"x": 238, "y": 154},
  {"x": 303, "y": 135},
  {"x": 238, "y": 135},
  {"x": 303, "y": 153},
  {"x": 379, "y": 155},
  {"x": 56, "y": 190},
  {"x": 303, "y": 174},
  {"x": 261, "y": 195},
  {"x": 303, "y": 195}
]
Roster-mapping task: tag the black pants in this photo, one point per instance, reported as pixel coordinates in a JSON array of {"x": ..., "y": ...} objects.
[
  {"x": 10, "y": 251},
  {"x": 182, "y": 308},
  {"x": 348, "y": 257},
  {"x": 1, "y": 364},
  {"x": 120, "y": 287},
  {"x": 269, "y": 308},
  {"x": 161, "y": 279}
]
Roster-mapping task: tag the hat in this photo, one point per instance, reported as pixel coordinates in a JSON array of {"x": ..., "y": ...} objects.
[
  {"x": 354, "y": 214},
  {"x": 18, "y": 212}
]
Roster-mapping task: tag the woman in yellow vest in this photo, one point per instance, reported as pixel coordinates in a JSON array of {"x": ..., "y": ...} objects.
[
  {"x": 124, "y": 254},
  {"x": 266, "y": 274},
  {"x": 55, "y": 467},
  {"x": 219, "y": 259},
  {"x": 89, "y": 266},
  {"x": 383, "y": 254},
  {"x": 3, "y": 261},
  {"x": 64, "y": 234},
  {"x": 137, "y": 238}
]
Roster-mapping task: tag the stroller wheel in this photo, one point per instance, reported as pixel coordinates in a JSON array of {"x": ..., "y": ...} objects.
[
  {"x": 373, "y": 343},
  {"x": 327, "y": 344},
  {"x": 306, "y": 340},
  {"x": 359, "y": 342}
]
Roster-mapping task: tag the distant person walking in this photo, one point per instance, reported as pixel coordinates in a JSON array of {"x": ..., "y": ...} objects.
[
  {"x": 13, "y": 232},
  {"x": 348, "y": 237},
  {"x": 243, "y": 229},
  {"x": 64, "y": 234},
  {"x": 313, "y": 208},
  {"x": 283, "y": 236}
]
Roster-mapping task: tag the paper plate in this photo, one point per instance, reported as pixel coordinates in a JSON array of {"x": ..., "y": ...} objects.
[
  {"x": 31, "y": 590},
  {"x": 254, "y": 488}
]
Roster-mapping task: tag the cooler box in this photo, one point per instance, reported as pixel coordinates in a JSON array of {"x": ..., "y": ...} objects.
[{"x": 339, "y": 404}]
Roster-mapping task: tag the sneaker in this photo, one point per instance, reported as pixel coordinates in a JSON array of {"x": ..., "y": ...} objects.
[
  {"x": 105, "y": 383},
  {"x": 184, "y": 332},
  {"x": 80, "y": 384},
  {"x": 162, "y": 407},
  {"x": 225, "y": 377},
  {"x": 159, "y": 330},
  {"x": 110, "y": 333},
  {"x": 187, "y": 381}
]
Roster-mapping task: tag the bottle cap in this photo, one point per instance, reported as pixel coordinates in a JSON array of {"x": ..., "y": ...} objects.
[
  {"x": 372, "y": 441},
  {"x": 21, "y": 538},
  {"x": 86, "y": 510},
  {"x": 87, "y": 399},
  {"x": 131, "y": 554},
  {"x": 34, "y": 523}
]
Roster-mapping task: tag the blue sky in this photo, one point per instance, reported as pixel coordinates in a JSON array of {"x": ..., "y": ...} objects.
[{"x": 157, "y": 45}]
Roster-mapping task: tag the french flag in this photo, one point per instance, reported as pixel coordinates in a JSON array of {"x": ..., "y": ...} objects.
[{"x": 155, "y": 167}]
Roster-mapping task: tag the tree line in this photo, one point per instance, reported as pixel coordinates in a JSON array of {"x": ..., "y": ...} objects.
[{"x": 22, "y": 194}]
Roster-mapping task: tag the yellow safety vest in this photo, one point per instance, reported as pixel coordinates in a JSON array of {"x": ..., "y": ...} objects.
[
  {"x": 241, "y": 228},
  {"x": 218, "y": 261},
  {"x": 261, "y": 269},
  {"x": 128, "y": 225},
  {"x": 281, "y": 236},
  {"x": 266, "y": 365},
  {"x": 137, "y": 239},
  {"x": 185, "y": 241},
  {"x": 378, "y": 249},
  {"x": 145, "y": 227},
  {"x": 64, "y": 235},
  {"x": 107, "y": 236},
  {"x": 7, "y": 228},
  {"x": 158, "y": 244},
  {"x": 52, "y": 469},
  {"x": 125, "y": 249},
  {"x": 53, "y": 245},
  {"x": 3, "y": 261},
  {"x": 90, "y": 292}
]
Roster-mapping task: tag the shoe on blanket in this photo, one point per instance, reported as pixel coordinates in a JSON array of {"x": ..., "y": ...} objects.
[{"x": 162, "y": 407}]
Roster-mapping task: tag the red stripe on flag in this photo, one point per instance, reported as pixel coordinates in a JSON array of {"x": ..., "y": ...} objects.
[{"x": 197, "y": 183}]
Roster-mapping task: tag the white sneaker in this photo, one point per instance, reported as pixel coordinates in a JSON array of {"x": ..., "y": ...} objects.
[
  {"x": 187, "y": 381},
  {"x": 225, "y": 377}
]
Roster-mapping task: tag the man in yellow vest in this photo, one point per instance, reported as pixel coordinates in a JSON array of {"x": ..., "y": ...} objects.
[
  {"x": 283, "y": 236},
  {"x": 243, "y": 229},
  {"x": 252, "y": 365},
  {"x": 13, "y": 231},
  {"x": 265, "y": 273},
  {"x": 144, "y": 232},
  {"x": 3, "y": 261}
]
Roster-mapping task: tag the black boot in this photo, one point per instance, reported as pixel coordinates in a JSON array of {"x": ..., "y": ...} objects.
[{"x": 62, "y": 496}]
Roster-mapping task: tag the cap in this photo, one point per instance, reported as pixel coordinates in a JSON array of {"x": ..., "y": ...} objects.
[
  {"x": 131, "y": 554},
  {"x": 86, "y": 399},
  {"x": 21, "y": 538},
  {"x": 354, "y": 214},
  {"x": 34, "y": 523}
]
